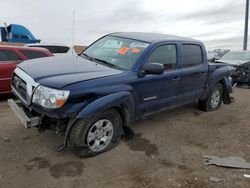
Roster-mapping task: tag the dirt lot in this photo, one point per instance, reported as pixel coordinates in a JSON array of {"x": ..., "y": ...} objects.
[{"x": 167, "y": 152}]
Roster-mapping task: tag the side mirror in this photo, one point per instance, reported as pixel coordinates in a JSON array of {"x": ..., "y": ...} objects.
[{"x": 153, "y": 68}]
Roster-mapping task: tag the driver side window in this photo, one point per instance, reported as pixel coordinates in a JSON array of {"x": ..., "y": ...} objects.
[{"x": 166, "y": 55}]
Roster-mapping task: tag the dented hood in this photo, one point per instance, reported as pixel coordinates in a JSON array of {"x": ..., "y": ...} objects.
[
  {"x": 59, "y": 71},
  {"x": 232, "y": 62}
]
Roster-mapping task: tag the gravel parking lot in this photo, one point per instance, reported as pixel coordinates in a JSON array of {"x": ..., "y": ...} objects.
[{"x": 166, "y": 152}]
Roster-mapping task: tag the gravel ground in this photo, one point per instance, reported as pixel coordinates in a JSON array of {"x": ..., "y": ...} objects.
[{"x": 166, "y": 152}]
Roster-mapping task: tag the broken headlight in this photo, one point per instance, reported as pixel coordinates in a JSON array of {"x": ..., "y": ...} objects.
[{"x": 50, "y": 98}]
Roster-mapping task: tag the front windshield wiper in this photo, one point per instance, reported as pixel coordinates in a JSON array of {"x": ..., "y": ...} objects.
[
  {"x": 218, "y": 61},
  {"x": 107, "y": 63},
  {"x": 102, "y": 61},
  {"x": 86, "y": 55}
]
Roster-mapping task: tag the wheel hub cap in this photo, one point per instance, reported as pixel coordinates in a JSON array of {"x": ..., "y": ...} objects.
[
  {"x": 100, "y": 134},
  {"x": 215, "y": 99}
]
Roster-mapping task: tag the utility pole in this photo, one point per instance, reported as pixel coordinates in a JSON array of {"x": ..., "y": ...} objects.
[{"x": 246, "y": 26}]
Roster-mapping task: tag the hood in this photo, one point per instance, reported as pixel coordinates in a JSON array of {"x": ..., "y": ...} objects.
[
  {"x": 59, "y": 71},
  {"x": 232, "y": 62}
]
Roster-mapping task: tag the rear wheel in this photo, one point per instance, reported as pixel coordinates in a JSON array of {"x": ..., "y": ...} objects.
[
  {"x": 214, "y": 100},
  {"x": 96, "y": 134}
]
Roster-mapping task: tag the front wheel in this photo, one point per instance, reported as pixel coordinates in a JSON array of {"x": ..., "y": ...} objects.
[
  {"x": 96, "y": 134},
  {"x": 214, "y": 100}
]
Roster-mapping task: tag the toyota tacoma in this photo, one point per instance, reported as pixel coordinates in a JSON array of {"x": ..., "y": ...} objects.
[{"x": 95, "y": 96}]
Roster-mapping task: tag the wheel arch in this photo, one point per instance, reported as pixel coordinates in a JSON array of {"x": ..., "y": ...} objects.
[
  {"x": 226, "y": 91},
  {"x": 227, "y": 88},
  {"x": 123, "y": 102}
]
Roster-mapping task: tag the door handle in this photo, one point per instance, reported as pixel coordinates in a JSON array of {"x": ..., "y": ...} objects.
[
  {"x": 176, "y": 78},
  {"x": 203, "y": 73}
]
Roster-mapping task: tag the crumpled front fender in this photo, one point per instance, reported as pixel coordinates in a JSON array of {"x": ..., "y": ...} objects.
[{"x": 122, "y": 100}]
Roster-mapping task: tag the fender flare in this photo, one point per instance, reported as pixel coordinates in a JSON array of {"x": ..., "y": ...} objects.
[
  {"x": 122, "y": 100},
  {"x": 227, "y": 88}
]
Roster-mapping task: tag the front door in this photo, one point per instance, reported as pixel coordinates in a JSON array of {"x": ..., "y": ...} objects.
[{"x": 159, "y": 92}]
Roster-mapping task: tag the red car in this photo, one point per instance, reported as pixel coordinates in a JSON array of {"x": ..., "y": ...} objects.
[{"x": 10, "y": 56}]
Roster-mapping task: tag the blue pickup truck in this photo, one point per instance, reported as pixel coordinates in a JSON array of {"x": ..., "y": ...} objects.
[{"x": 95, "y": 96}]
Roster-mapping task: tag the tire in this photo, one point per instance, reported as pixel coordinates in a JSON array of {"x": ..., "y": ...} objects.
[
  {"x": 85, "y": 133},
  {"x": 214, "y": 100}
]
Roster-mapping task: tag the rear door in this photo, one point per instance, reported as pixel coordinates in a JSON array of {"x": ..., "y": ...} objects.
[
  {"x": 194, "y": 72},
  {"x": 8, "y": 61}
]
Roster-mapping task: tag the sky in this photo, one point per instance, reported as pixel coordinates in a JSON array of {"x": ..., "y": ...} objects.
[{"x": 219, "y": 24}]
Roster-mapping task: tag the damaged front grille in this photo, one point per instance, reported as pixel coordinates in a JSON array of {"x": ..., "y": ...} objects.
[
  {"x": 20, "y": 86},
  {"x": 23, "y": 85}
]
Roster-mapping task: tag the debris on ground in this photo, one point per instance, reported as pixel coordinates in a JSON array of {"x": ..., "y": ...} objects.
[
  {"x": 244, "y": 86},
  {"x": 117, "y": 172},
  {"x": 246, "y": 175},
  {"x": 6, "y": 139},
  {"x": 231, "y": 162},
  {"x": 214, "y": 179}
]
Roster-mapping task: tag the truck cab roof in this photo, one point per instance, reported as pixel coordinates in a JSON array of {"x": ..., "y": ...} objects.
[{"x": 152, "y": 37}]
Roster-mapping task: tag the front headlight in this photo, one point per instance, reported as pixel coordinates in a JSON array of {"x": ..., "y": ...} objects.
[{"x": 49, "y": 98}]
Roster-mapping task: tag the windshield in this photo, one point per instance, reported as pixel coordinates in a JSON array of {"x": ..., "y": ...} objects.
[
  {"x": 244, "y": 56},
  {"x": 118, "y": 52}
]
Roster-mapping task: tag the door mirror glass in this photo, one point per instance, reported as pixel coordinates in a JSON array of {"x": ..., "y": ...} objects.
[{"x": 153, "y": 68}]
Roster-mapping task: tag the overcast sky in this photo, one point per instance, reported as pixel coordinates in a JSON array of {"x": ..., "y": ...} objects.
[{"x": 219, "y": 24}]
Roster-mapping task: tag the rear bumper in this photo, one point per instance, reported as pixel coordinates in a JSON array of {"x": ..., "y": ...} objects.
[{"x": 26, "y": 119}]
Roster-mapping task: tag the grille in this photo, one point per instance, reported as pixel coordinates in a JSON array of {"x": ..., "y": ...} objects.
[{"x": 20, "y": 86}]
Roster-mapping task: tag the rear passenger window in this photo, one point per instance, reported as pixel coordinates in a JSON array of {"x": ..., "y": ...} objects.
[
  {"x": 8, "y": 55},
  {"x": 55, "y": 49},
  {"x": 33, "y": 54},
  {"x": 52, "y": 49},
  {"x": 166, "y": 55},
  {"x": 191, "y": 55},
  {"x": 63, "y": 49}
]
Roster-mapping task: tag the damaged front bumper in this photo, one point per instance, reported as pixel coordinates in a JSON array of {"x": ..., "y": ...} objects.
[{"x": 27, "y": 119}]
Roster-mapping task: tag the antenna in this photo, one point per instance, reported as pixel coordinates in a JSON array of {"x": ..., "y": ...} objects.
[{"x": 73, "y": 29}]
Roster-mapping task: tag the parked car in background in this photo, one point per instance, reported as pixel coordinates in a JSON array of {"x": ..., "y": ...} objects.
[
  {"x": 221, "y": 52},
  {"x": 212, "y": 56},
  {"x": 54, "y": 48},
  {"x": 241, "y": 61},
  {"x": 10, "y": 56},
  {"x": 216, "y": 54}
]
